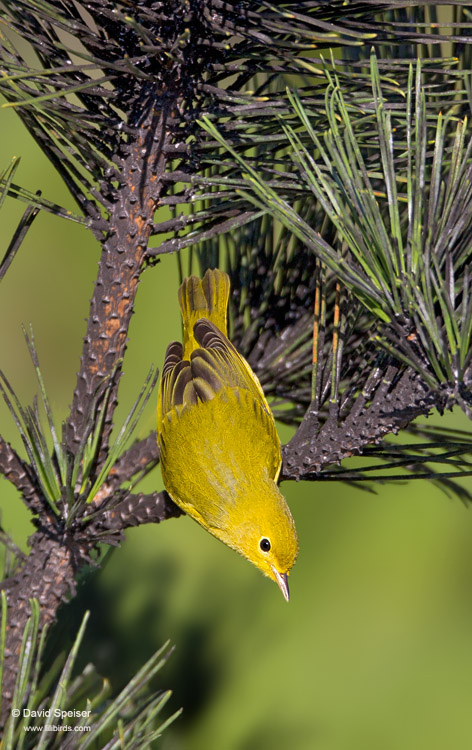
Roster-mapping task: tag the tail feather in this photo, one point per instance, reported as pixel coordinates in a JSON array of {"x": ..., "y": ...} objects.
[{"x": 203, "y": 298}]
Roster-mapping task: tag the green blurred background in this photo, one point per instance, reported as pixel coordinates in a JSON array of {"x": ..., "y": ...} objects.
[{"x": 374, "y": 649}]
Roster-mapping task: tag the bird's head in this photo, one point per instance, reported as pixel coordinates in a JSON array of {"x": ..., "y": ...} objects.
[{"x": 265, "y": 534}]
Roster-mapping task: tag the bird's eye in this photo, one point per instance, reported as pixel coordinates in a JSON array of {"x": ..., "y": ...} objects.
[{"x": 264, "y": 544}]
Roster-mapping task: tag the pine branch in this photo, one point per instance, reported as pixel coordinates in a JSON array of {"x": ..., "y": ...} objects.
[
  {"x": 19, "y": 473},
  {"x": 135, "y": 510},
  {"x": 121, "y": 263},
  {"x": 48, "y": 575},
  {"x": 394, "y": 403},
  {"x": 140, "y": 458}
]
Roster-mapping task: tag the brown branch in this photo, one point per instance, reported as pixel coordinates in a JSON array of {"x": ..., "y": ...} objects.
[
  {"x": 18, "y": 472},
  {"x": 107, "y": 523},
  {"x": 394, "y": 404},
  {"x": 121, "y": 262},
  {"x": 47, "y": 575},
  {"x": 141, "y": 456},
  {"x": 135, "y": 510}
]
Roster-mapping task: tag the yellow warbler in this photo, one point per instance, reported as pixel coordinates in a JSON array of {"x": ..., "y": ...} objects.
[{"x": 220, "y": 452}]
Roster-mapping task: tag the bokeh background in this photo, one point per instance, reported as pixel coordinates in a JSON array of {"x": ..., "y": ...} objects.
[{"x": 374, "y": 650}]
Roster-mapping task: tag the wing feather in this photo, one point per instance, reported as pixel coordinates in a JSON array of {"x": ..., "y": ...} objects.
[
  {"x": 234, "y": 368},
  {"x": 216, "y": 365}
]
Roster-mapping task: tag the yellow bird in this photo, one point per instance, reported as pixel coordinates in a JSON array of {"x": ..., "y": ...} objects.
[{"x": 220, "y": 452}]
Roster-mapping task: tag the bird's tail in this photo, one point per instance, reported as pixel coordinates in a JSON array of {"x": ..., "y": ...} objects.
[{"x": 203, "y": 298}]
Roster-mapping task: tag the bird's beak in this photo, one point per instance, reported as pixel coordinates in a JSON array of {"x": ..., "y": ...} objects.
[{"x": 282, "y": 582}]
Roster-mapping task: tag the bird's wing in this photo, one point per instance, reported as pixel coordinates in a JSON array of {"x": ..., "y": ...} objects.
[
  {"x": 215, "y": 365},
  {"x": 223, "y": 357},
  {"x": 214, "y": 368},
  {"x": 172, "y": 366}
]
